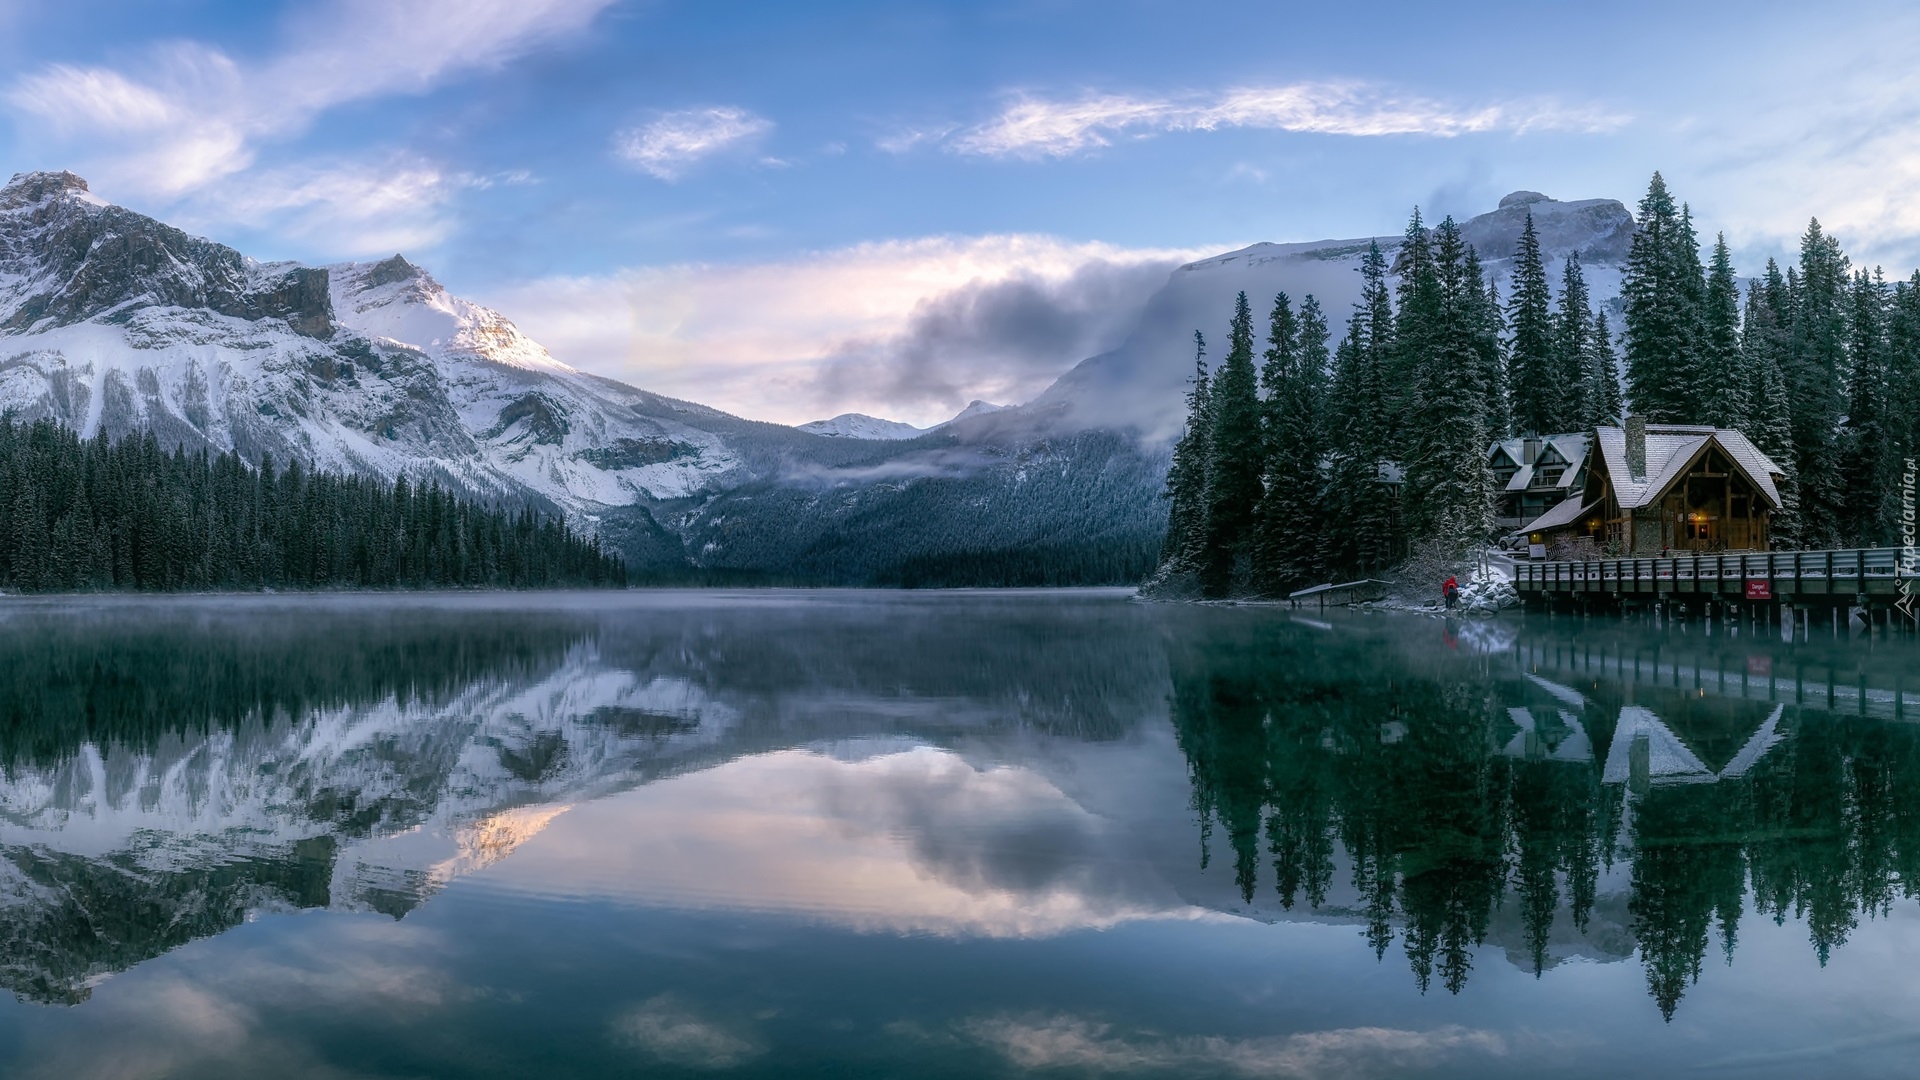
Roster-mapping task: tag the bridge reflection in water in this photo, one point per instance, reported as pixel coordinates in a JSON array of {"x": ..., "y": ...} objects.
[{"x": 1558, "y": 794}]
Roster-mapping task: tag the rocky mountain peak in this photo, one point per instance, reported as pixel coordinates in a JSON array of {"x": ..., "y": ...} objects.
[
  {"x": 1523, "y": 198},
  {"x": 388, "y": 271},
  {"x": 67, "y": 257},
  {"x": 26, "y": 189}
]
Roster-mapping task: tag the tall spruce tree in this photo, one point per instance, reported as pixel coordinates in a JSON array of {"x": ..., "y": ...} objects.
[
  {"x": 1536, "y": 382},
  {"x": 1663, "y": 294},
  {"x": 1187, "y": 475},
  {"x": 1316, "y": 360},
  {"x": 1377, "y": 366},
  {"x": 1572, "y": 352},
  {"x": 1238, "y": 457},
  {"x": 1489, "y": 329},
  {"x": 1871, "y": 506},
  {"x": 1723, "y": 401},
  {"x": 1763, "y": 356},
  {"x": 1903, "y": 367},
  {"x": 1448, "y": 488},
  {"x": 1816, "y": 383},
  {"x": 1278, "y": 363},
  {"x": 1359, "y": 534},
  {"x": 1288, "y": 541},
  {"x": 1604, "y": 404},
  {"x": 1416, "y": 301}
]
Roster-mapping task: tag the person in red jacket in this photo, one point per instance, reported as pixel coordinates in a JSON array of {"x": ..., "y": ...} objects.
[{"x": 1450, "y": 590}]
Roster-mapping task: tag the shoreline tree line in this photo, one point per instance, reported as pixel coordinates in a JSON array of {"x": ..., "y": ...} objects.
[
  {"x": 1304, "y": 463},
  {"x": 98, "y": 514}
]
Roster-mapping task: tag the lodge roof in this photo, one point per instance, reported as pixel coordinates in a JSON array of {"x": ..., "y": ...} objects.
[
  {"x": 1670, "y": 760},
  {"x": 1563, "y": 513},
  {"x": 1670, "y": 449},
  {"x": 1572, "y": 446}
]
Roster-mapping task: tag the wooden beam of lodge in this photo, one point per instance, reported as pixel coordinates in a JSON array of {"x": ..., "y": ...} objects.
[{"x": 1763, "y": 575}]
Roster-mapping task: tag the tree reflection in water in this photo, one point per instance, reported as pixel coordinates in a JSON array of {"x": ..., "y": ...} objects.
[{"x": 1448, "y": 790}]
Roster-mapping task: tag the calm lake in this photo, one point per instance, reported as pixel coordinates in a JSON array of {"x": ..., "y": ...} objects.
[{"x": 945, "y": 834}]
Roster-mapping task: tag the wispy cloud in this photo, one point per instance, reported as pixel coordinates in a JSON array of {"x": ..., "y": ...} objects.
[
  {"x": 666, "y": 1028},
  {"x": 189, "y": 118},
  {"x": 673, "y": 143},
  {"x": 1080, "y": 1044},
  {"x": 1037, "y": 127},
  {"x": 343, "y": 208}
]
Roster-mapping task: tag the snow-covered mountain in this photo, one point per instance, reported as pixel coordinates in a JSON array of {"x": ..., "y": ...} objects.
[
  {"x": 861, "y": 426},
  {"x": 111, "y": 321},
  {"x": 1140, "y": 384},
  {"x": 855, "y": 425}
]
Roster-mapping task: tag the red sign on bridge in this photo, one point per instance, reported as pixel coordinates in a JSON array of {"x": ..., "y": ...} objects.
[{"x": 1760, "y": 590}]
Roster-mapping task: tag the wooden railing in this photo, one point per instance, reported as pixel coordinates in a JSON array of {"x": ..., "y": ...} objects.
[{"x": 1869, "y": 571}]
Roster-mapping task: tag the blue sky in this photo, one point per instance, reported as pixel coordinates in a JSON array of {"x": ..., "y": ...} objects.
[{"x": 726, "y": 201}]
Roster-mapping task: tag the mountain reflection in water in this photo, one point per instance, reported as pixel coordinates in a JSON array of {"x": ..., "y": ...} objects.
[
  {"x": 172, "y": 766},
  {"x": 951, "y": 767}
]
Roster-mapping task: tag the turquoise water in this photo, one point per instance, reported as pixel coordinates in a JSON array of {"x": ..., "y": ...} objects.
[{"x": 945, "y": 834}]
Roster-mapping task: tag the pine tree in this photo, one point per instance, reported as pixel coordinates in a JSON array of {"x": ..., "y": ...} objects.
[
  {"x": 1489, "y": 326},
  {"x": 1663, "y": 295},
  {"x": 1536, "y": 382},
  {"x": 1871, "y": 500},
  {"x": 1763, "y": 352},
  {"x": 1449, "y": 494},
  {"x": 1359, "y": 535},
  {"x": 1723, "y": 399},
  {"x": 1817, "y": 375},
  {"x": 1572, "y": 349},
  {"x": 1603, "y": 374},
  {"x": 1278, "y": 363},
  {"x": 1316, "y": 362},
  {"x": 1288, "y": 543},
  {"x": 1187, "y": 475},
  {"x": 1238, "y": 458},
  {"x": 1903, "y": 367},
  {"x": 1416, "y": 301},
  {"x": 1376, "y": 401}
]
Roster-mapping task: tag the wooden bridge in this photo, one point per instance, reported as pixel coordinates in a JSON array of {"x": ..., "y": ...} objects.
[
  {"x": 1340, "y": 595},
  {"x": 1873, "y": 578}
]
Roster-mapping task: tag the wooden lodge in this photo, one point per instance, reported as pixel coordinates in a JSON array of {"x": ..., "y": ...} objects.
[
  {"x": 1659, "y": 489},
  {"x": 1534, "y": 474}
]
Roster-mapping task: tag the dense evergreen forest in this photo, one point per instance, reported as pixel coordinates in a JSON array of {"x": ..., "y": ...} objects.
[
  {"x": 1277, "y": 480},
  {"x": 1397, "y": 792},
  {"x": 98, "y": 514}
]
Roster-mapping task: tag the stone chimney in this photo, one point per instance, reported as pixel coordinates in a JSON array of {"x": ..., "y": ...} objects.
[{"x": 1637, "y": 447}]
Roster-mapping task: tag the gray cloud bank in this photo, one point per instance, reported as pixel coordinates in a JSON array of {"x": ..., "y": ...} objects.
[{"x": 1002, "y": 341}]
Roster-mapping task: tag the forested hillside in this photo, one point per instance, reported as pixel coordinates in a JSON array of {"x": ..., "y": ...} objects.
[
  {"x": 99, "y": 514},
  {"x": 1280, "y": 477}
]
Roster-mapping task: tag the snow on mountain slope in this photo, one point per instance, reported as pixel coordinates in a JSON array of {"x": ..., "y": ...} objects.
[
  {"x": 975, "y": 408},
  {"x": 1141, "y": 384},
  {"x": 113, "y": 322},
  {"x": 861, "y": 426}
]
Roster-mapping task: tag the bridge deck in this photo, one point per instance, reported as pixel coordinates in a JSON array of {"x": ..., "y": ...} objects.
[{"x": 1876, "y": 573}]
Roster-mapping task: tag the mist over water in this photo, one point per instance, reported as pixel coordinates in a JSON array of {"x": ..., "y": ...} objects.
[{"x": 848, "y": 833}]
